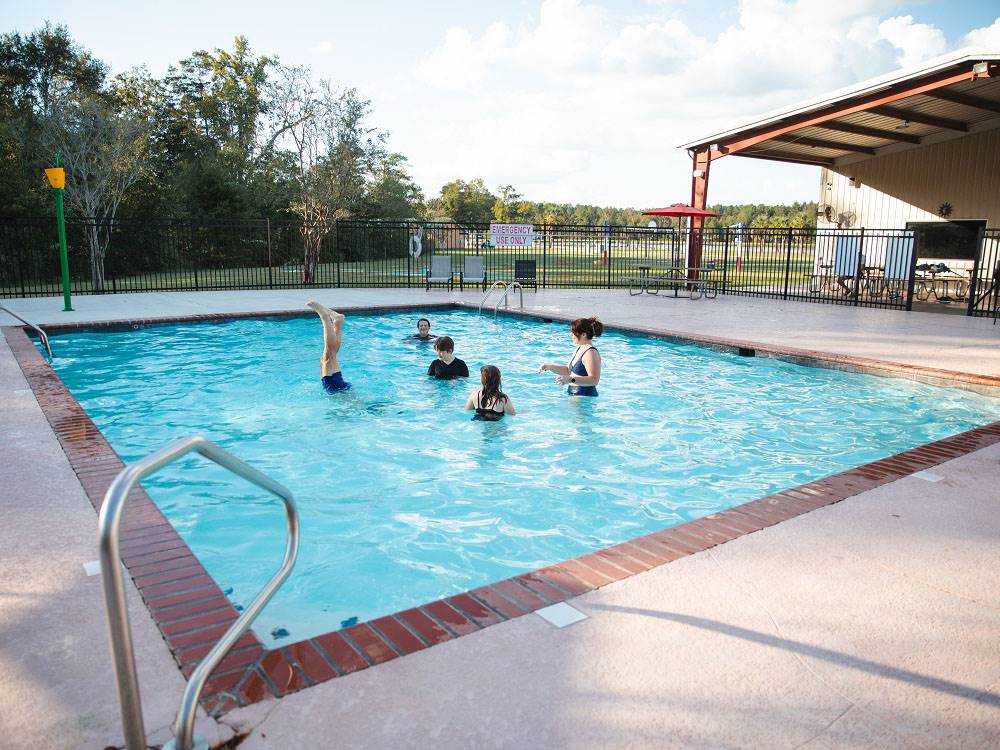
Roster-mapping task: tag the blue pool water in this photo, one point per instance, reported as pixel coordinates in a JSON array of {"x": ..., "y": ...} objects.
[{"x": 403, "y": 499}]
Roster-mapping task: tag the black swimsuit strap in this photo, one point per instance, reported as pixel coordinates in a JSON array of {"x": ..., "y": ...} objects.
[{"x": 479, "y": 403}]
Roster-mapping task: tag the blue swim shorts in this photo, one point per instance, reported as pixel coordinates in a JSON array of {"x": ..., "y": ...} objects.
[{"x": 335, "y": 382}]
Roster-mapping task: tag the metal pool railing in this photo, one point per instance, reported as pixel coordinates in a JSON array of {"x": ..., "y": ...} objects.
[
  {"x": 119, "y": 631},
  {"x": 41, "y": 334}
]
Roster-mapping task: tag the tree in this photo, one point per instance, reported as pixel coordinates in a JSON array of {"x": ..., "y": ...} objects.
[
  {"x": 224, "y": 117},
  {"x": 102, "y": 152},
  {"x": 336, "y": 156},
  {"x": 221, "y": 97},
  {"x": 35, "y": 69},
  {"x": 509, "y": 208},
  {"x": 139, "y": 96},
  {"x": 465, "y": 203},
  {"x": 42, "y": 67},
  {"x": 393, "y": 194}
]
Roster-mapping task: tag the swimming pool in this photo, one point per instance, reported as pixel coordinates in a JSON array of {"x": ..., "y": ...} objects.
[{"x": 404, "y": 500}]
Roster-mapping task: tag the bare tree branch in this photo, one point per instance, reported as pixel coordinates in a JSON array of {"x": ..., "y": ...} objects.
[{"x": 102, "y": 153}]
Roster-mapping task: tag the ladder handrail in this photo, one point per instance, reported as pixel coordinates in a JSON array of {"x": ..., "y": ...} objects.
[
  {"x": 489, "y": 292},
  {"x": 506, "y": 290},
  {"x": 507, "y": 287},
  {"x": 41, "y": 334},
  {"x": 119, "y": 631}
]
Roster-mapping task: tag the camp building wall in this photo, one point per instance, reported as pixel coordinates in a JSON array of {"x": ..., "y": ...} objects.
[{"x": 913, "y": 185}]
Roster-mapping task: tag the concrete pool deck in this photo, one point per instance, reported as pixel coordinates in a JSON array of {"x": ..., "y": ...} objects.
[{"x": 872, "y": 622}]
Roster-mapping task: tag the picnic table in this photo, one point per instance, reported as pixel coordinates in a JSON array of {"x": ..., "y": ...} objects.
[
  {"x": 945, "y": 286},
  {"x": 652, "y": 276}
]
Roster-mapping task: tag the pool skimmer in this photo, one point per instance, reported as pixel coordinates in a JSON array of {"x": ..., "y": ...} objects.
[{"x": 560, "y": 614}]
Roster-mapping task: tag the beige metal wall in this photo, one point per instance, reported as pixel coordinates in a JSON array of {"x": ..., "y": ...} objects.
[{"x": 912, "y": 185}]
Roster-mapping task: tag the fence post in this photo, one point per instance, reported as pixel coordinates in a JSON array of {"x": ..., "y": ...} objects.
[
  {"x": 610, "y": 232},
  {"x": 912, "y": 276},
  {"x": 545, "y": 248},
  {"x": 859, "y": 271},
  {"x": 20, "y": 259},
  {"x": 788, "y": 262},
  {"x": 336, "y": 248},
  {"x": 974, "y": 277},
  {"x": 194, "y": 255},
  {"x": 270, "y": 267},
  {"x": 725, "y": 261}
]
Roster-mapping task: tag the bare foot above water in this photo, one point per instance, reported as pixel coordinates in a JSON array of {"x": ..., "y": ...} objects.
[{"x": 324, "y": 311}]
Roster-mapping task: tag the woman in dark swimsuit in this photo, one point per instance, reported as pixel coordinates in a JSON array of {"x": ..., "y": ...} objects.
[
  {"x": 583, "y": 372},
  {"x": 489, "y": 401}
]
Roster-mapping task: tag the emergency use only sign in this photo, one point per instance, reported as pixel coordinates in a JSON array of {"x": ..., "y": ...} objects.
[{"x": 516, "y": 235}]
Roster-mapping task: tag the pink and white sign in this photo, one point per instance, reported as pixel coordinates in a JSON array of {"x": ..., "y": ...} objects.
[{"x": 517, "y": 235}]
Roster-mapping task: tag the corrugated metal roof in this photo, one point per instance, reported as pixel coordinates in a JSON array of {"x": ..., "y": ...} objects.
[{"x": 891, "y": 121}]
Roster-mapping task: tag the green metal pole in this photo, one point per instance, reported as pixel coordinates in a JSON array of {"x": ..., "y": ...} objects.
[{"x": 63, "y": 253}]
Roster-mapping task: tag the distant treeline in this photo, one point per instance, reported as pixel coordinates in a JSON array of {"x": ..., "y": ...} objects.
[
  {"x": 230, "y": 134},
  {"x": 471, "y": 202}
]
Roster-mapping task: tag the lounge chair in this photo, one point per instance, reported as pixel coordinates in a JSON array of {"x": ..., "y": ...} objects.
[
  {"x": 896, "y": 273},
  {"x": 440, "y": 272},
  {"x": 525, "y": 273},
  {"x": 847, "y": 261},
  {"x": 473, "y": 273}
]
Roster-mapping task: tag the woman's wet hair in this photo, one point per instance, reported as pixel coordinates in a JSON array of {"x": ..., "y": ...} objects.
[
  {"x": 444, "y": 344},
  {"x": 489, "y": 376},
  {"x": 589, "y": 327}
]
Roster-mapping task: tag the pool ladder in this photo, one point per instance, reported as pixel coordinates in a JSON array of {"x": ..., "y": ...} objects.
[
  {"x": 508, "y": 287},
  {"x": 41, "y": 334},
  {"x": 119, "y": 632}
]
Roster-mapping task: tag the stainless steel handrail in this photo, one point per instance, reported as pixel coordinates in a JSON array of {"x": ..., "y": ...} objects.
[
  {"x": 41, "y": 334},
  {"x": 506, "y": 290},
  {"x": 489, "y": 292},
  {"x": 119, "y": 631}
]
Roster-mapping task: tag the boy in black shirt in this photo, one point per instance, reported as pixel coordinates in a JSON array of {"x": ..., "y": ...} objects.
[{"x": 447, "y": 366}]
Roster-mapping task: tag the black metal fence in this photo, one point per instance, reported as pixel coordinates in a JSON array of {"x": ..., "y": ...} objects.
[
  {"x": 863, "y": 267},
  {"x": 984, "y": 290}
]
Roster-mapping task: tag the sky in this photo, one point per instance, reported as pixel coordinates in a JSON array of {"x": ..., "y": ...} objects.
[{"x": 573, "y": 101}]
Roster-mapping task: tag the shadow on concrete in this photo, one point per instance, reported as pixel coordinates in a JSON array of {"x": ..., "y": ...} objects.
[{"x": 816, "y": 652}]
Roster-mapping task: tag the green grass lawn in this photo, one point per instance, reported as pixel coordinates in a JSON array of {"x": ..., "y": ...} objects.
[{"x": 556, "y": 266}]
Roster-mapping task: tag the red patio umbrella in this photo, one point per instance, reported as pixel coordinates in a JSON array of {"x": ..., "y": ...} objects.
[{"x": 682, "y": 210}]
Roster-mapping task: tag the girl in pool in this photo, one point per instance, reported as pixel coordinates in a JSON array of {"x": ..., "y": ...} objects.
[
  {"x": 329, "y": 367},
  {"x": 583, "y": 372},
  {"x": 489, "y": 401}
]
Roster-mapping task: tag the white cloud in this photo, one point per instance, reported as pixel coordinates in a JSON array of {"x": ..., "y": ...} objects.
[
  {"x": 987, "y": 38},
  {"x": 580, "y": 105},
  {"x": 323, "y": 48},
  {"x": 655, "y": 48},
  {"x": 915, "y": 41},
  {"x": 569, "y": 35},
  {"x": 463, "y": 60}
]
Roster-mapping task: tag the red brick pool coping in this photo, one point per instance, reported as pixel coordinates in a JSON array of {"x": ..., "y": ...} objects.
[{"x": 192, "y": 612}]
